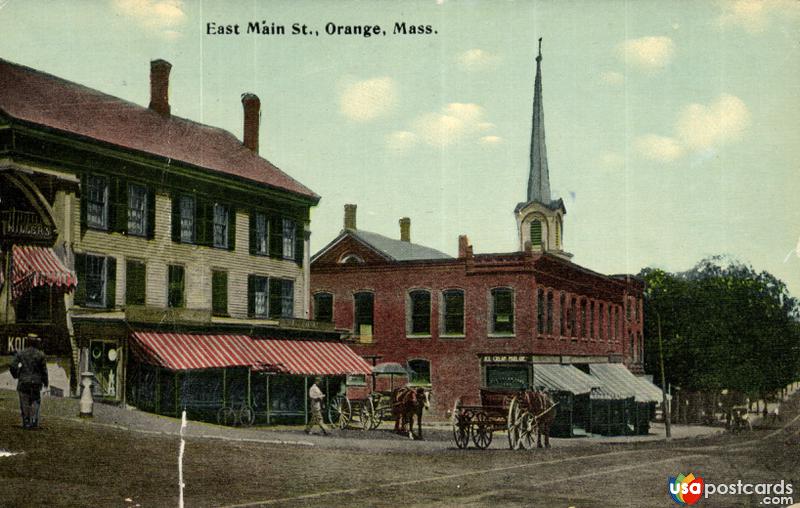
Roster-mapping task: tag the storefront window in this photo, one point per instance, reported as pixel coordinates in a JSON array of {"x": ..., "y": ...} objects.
[
  {"x": 103, "y": 360},
  {"x": 507, "y": 377}
]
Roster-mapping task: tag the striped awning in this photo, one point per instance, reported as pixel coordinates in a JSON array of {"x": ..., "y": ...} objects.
[
  {"x": 183, "y": 351},
  {"x": 563, "y": 378},
  {"x": 33, "y": 266},
  {"x": 616, "y": 378}
]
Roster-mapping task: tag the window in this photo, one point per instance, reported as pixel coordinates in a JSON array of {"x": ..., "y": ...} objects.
[
  {"x": 323, "y": 307},
  {"x": 364, "y": 303},
  {"x": 260, "y": 235},
  {"x": 219, "y": 293},
  {"x": 502, "y": 311},
  {"x": 418, "y": 310},
  {"x": 97, "y": 202},
  {"x": 137, "y": 210},
  {"x": 591, "y": 319},
  {"x": 603, "y": 321},
  {"x": 95, "y": 281},
  {"x": 549, "y": 316},
  {"x": 453, "y": 312},
  {"x": 512, "y": 376},
  {"x": 36, "y": 305},
  {"x": 220, "y": 226},
  {"x": 135, "y": 282},
  {"x": 419, "y": 372},
  {"x": 573, "y": 308},
  {"x": 257, "y": 296},
  {"x": 558, "y": 233},
  {"x": 175, "y": 286},
  {"x": 288, "y": 238},
  {"x": 536, "y": 233},
  {"x": 584, "y": 318},
  {"x": 287, "y": 298},
  {"x": 187, "y": 219},
  {"x": 540, "y": 311},
  {"x": 563, "y": 306}
]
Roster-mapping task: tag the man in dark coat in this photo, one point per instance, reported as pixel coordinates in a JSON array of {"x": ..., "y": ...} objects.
[{"x": 29, "y": 367}]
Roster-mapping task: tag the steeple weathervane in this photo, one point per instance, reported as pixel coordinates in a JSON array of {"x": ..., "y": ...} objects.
[{"x": 539, "y": 179}]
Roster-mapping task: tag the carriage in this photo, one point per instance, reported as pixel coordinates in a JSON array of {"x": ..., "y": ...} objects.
[
  {"x": 370, "y": 410},
  {"x": 498, "y": 411}
]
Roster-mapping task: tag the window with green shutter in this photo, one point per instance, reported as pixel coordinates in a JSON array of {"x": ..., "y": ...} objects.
[
  {"x": 135, "y": 282},
  {"x": 536, "y": 233},
  {"x": 176, "y": 286},
  {"x": 219, "y": 293}
]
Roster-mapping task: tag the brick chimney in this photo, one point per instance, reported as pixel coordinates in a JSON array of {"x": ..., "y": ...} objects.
[
  {"x": 463, "y": 246},
  {"x": 252, "y": 116},
  {"x": 159, "y": 86},
  {"x": 405, "y": 229},
  {"x": 350, "y": 217}
]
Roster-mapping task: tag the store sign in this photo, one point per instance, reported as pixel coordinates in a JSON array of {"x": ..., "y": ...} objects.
[
  {"x": 507, "y": 358},
  {"x": 305, "y": 324},
  {"x": 16, "y": 343}
]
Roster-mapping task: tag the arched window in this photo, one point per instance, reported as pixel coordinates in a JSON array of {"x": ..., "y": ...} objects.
[
  {"x": 419, "y": 372},
  {"x": 558, "y": 233},
  {"x": 563, "y": 306},
  {"x": 591, "y": 319},
  {"x": 536, "y": 233},
  {"x": 419, "y": 312},
  {"x": 584, "y": 319},
  {"x": 549, "y": 316},
  {"x": 540, "y": 311},
  {"x": 351, "y": 259}
]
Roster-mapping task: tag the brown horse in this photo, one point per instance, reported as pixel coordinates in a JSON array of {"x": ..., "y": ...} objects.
[
  {"x": 408, "y": 402},
  {"x": 540, "y": 406}
]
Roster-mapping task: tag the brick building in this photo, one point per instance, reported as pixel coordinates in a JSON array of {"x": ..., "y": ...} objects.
[
  {"x": 479, "y": 320},
  {"x": 174, "y": 230}
]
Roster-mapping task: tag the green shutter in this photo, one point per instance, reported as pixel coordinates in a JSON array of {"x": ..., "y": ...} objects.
[
  {"x": 219, "y": 292},
  {"x": 111, "y": 282},
  {"x": 231, "y": 227},
  {"x": 176, "y": 217},
  {"x": 275, "y": 287},
  {"x": 275, "y": 236},
  {"x": 80, "y": 272},
  {"x": 252, "y": 232},
  {"x": 251, "y": 295},
  {"x": 84, "y": 202},
  {"x": 299, "y": 242},
  {"x": 151, "y": 212},
  {"x": 135, "y": 283},
  {"x": 118, "y": 205},
  {"x": 536, "y": 233}
]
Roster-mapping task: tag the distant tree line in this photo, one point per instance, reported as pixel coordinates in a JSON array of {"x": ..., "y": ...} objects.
[{"x": 724, "y": 326}]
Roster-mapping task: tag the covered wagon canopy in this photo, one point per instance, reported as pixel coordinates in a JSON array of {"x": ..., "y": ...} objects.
[
  {"x": 565, "y": 378},
  {"x": 615, "y": 377},
  {"x": 184, "y": 351},
  {"x": 390, "y": 368}
]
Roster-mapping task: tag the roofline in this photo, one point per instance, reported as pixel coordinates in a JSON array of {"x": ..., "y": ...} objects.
[
  {"x": 313, "y": 198},
  {"x": 345, "y": 233}
]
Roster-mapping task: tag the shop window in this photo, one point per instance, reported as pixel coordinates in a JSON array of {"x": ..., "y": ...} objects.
[
  {"x": 502, "y": 311},
  {"x": 507, "y": 377},
  {"x": 35, "y": 305},
  {"x": 323, "y": 307},
  {"x": 219, "y": 293},
  {"x": 176, "y": 286},
  {"x": 97, "y": 202},
  {"x": 453, "y": 312},
  {"x": 257, "y": 296},
  {"x": 135, "y": 282},
  {"x": 419, "y": 372},
  {"x": 221, "y": 224},
  {"x": 137, "y": 210},
  {"x": 364, "y": 306},
  {"x": 418, "y": 310},
  {"x": 103, "y": 361}
]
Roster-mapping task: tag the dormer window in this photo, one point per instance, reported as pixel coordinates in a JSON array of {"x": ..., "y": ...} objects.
[{"x": 536, "y": 233}]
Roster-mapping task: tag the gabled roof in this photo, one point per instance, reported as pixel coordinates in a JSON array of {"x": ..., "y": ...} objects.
[
  {"x": 41, "y": 99},
  {"x": 388, "y": 248}
]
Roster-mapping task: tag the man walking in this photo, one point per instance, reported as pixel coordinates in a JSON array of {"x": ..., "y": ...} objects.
[
  {"x": 316, "y": 396},
  {"x": 29, "y": 367}
]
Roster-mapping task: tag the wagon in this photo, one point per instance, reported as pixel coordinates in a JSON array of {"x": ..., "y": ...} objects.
[
  {"x": 368, "y": 412},
  {"x": 498, "y": 411}
]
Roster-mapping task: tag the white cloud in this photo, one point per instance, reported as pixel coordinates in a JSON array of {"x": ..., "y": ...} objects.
[
  {"x": 401, "y": 141},
  {"x": 754, "y": 16},
  {"x": 453, "y": 123},
  {"x": 159, "y": 15},
  {"x": 649, "y": 53},
  {"x": 491, "y": 140},
  {"x": 612, "y": 160},
  {"x": 476, "y": 59},
  {"x": 612, "y": 78},
  {"x": 658, "y": 148},
  {"x": 703, "y": 127},
  {"x": 366, "y": 100}
]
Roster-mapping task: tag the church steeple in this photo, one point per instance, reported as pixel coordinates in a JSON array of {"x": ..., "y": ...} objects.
[{"x": 539, "y": 178}]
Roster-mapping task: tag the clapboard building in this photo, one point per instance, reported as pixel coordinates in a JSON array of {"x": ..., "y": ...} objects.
[
  {"x": 480, "y": 320},
  {"x": 130, "y": 230}
]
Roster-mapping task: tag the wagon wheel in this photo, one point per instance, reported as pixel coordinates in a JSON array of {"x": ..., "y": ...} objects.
[
  {"x": 461, "y": 425},
  {"x": 226, "y": 416},
  {"x": 378, "y": 413},
  {"x": 367, "y": 414},
  {"x": 513, "y": 424},
  {"x": 247, "y": 416},
  {"x": 340, "y": 412},
  {"x": 481, "y": 431},
  {"x": 527, "y": 430}
]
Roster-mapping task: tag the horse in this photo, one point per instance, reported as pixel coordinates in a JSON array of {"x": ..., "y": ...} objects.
[
  {"x": 541, "y": 406},
  {"x": 406, "y": 403}
]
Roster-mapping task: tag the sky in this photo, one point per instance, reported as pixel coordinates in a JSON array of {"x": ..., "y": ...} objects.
[{"x": 672, "y": 128}]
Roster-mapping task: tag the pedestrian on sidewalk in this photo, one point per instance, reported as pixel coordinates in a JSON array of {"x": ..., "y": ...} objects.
[
  {"x": 316, "y": 396},
  {"x": 29, "y": 367}
]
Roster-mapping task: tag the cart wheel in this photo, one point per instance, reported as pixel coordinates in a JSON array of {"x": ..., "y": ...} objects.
[
  {"x": 247, "y": 416},
  {"x": 340, "y": 412},
  {"x": 481, "y": 431},
  {"x": 367, "y": 414},
  {"x": 527, "y": 430},
  {"x": 513, "y": 424},
  {"x": 461, "y": 424},
  {"x": 226, "y": 416}
]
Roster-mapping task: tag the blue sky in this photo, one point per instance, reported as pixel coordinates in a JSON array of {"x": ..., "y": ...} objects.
[{"x": 672, "y": 128}]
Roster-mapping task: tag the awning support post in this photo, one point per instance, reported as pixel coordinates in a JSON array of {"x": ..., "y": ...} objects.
[
  {"x": 176, "y": 394},
  {"x": 158, "y": 390},
  {"x": 224, "y": 387},
  {"x": 269, "y": 410},
  {"x": 249, "y": 400},
  {"x": 305, "y": 398}
]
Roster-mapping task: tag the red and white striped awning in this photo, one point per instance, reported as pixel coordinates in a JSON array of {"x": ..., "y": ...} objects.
[
  {"x": 33, "y": 266},
  {"x": 183, "y": 351}
]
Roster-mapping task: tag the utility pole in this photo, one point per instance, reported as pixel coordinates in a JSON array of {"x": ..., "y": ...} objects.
[{"x": 664, "y": 402}]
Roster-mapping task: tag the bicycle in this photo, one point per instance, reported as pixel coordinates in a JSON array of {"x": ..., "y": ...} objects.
[{"x": 234, "y": 415}]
